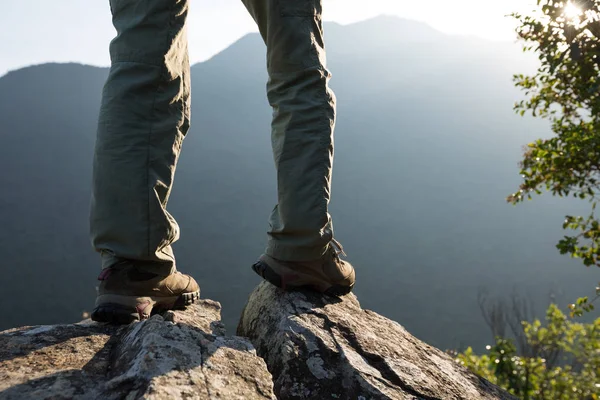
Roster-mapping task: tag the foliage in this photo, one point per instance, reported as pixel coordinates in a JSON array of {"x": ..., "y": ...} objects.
[
  {"x": 563, "y": 360},
  {"x": 566, "y": 91}
]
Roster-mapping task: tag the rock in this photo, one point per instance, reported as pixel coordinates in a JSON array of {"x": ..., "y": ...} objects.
[
  {"x": 318, "y": 347},
  {"x": 315, "y": 347},
  {"x": 179, "y": 354}
]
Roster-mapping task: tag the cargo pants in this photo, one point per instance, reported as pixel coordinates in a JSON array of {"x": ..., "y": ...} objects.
[{"x": 145, "y": 115}]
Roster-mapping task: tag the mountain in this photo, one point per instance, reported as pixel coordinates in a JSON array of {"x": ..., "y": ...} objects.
[{"x": 427, "y": 147}]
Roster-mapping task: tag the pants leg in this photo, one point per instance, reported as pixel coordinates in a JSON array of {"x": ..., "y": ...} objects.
[
  {"x": 302, "y": 127},
  {"x": 143, "y": 120}
]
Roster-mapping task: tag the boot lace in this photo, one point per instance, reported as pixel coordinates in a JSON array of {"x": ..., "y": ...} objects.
[{"x": 337, "y": 247}]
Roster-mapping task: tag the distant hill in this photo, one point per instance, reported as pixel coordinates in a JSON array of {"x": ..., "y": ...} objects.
[{"x": 426, "y": 151}]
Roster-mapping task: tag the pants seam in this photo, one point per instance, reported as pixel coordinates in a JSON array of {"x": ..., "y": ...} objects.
[
  {"x": 150, "y": 130},
  {"x": 162, "y": 75}
]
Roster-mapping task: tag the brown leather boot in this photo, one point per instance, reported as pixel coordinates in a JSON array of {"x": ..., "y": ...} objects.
[
  {"x": 127, "y": 293},
  {"x": 328, "y": 274}
]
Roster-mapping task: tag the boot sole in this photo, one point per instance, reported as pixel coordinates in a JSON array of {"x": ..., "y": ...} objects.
[
  {"x": 267, "y": 273},
  {"x": 122, "y": 310}
]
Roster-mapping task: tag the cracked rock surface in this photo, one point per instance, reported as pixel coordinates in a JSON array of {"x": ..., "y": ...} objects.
[
  {"x": 179, "y": 354},
  {"x": 317, "y": 347}
]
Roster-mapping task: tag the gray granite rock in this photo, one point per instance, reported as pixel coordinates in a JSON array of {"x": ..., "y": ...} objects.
[
  {"x": 180, "y": 354},
  {"x": 318, "y": 347},
  {"x": 315, "y": 348}
]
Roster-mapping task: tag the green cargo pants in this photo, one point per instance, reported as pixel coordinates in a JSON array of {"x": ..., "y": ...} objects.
[{"x": 145, "y": 115}]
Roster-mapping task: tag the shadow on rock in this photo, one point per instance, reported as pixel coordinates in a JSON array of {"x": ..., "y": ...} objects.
[{"x": 63, "y": 361}]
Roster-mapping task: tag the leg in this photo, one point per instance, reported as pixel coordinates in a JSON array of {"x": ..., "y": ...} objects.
[
  {"x": 143, "y": 120},
  {"x": 302, "y": 128},
  {"x": 301, "y": 251}
]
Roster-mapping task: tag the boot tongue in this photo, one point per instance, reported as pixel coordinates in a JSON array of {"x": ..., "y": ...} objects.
[{"x": 105, "y": 274}]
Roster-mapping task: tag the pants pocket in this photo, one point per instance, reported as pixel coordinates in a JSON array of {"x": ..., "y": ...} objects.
[{"x": 299, "y": 8}]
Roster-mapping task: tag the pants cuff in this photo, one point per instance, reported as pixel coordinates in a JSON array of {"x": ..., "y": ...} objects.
[
  {"x": 290, "y": 253},
  {"x": 160, "y": 268}
]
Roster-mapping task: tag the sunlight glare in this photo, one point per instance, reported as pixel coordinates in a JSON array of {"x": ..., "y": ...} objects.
[{"x": 571, "y": 11}]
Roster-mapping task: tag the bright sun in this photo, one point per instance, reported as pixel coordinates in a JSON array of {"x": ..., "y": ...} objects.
[{"x": 572, "y": 11}]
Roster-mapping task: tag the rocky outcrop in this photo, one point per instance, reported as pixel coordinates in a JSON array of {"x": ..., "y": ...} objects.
[
  {"x": 174, "y": 355},
  {"x": 315, "y": 347},
  {"x": 326, "y": 348}
]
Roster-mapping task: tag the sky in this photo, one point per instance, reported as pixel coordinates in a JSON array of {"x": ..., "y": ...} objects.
[{"x": 39, "y": 31}]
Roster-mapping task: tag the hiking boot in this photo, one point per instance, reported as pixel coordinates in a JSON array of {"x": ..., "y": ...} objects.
[
  {"x": 127, "y": 294},
  {"x": 329, "y": 274}
]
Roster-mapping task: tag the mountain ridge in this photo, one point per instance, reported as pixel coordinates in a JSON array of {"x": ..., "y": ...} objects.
[{"x": 397, "y": 23}]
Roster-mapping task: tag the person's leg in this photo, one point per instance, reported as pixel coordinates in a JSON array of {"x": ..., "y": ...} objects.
[
  {"x": 143, "y": 120},
  {"x": 301, "y": 232},
  {"x": 302, "y": 128}
]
